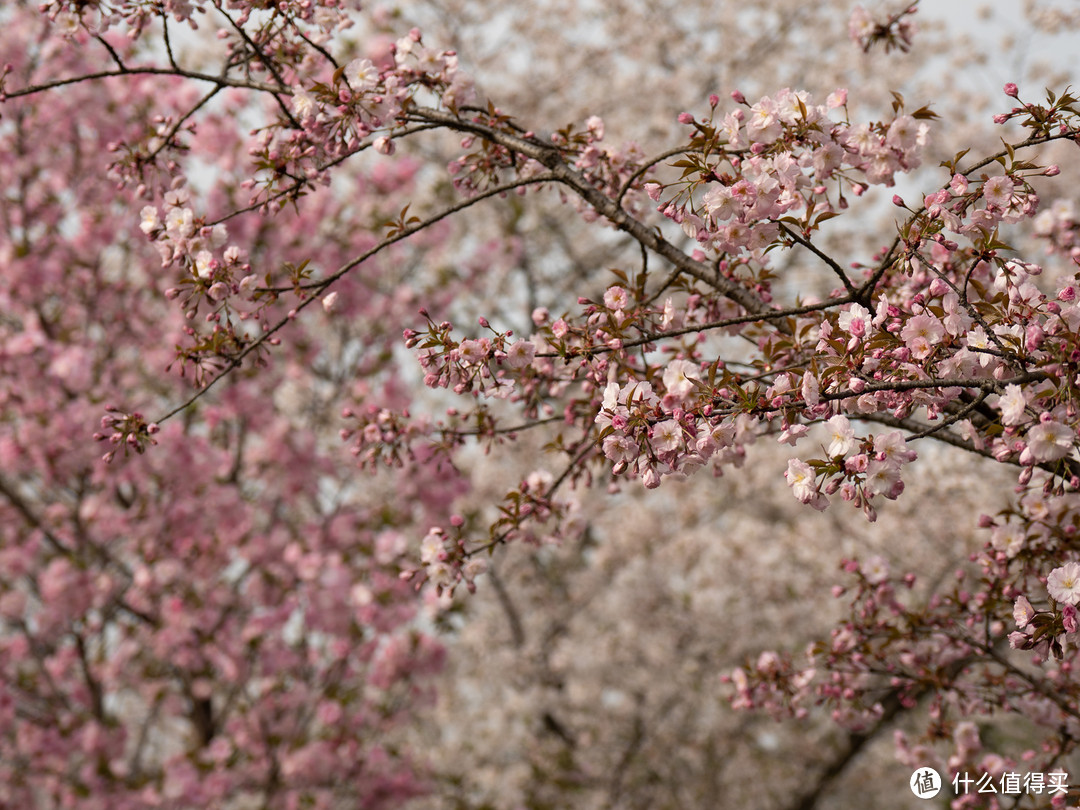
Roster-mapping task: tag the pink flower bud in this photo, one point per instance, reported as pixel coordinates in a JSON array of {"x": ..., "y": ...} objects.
[
  {"x": 1033, "y": 337},
  {"x": 1068, "y": 618},
  {"x": 1012, "y": 90},
  {"x": 938, "y": 287}
]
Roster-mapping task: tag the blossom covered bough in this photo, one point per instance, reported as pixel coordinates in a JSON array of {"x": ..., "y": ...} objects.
[{"x": 269, "y": 613}]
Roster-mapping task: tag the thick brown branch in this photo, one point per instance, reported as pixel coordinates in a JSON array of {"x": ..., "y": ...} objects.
[{"x": 551, "y": 158}]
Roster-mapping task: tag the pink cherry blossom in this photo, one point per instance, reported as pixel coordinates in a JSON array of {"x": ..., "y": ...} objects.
[
  {"x": 1012, "y": 404},
  {"x": 666, "y": 437},
  {"x": 1023, "y": 612},
  {"x": 520, "y": 353},
  {"x": 1049, "y": 441},
  {"x": 679, "y": 376},
  {"x": 998, "y": 191},
  {"x": 922, "y": 333},
  {"x": 841, "y": 436},
  {"x": 1063, "y": 584}
]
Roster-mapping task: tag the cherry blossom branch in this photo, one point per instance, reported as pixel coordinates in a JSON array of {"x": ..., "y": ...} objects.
[
  {"x": 654, "y": 337},
  {"x": 97, "y": 702},
  {"x": 988, "y": 386},
  {"x": 165, "y": 140},
  {"x": 866, "y": 289},
  {"x": 551, "y": 158},
  {"x": 952, "y": 418},
  {"x": 1036, "y": 684},
  {"x": 1034, "y": 140},
  {"x": 836, "y": 268},
  {"x": 493, "y": 431},
  {"x": 298, "y": 183},
  {"x": 972, "y": 310},
  {"x": 1008, "y": 151},
  {"x": 314, "y": 45},
  {"x": 235, "y": 361},
  {"x": 911, "y": 427},
  {"x": 139, "y": 71},
  {"x": 112, "y": 51},
  {"x": 269, "y": 64},
  {"x": 168, "y": 40},
  {"x": 643, "y": 168},
  {"x": 587, "y": 446}
]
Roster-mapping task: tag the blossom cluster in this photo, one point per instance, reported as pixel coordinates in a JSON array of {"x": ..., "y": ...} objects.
[
  {"x": 765, "y": 166},
  {"x": 896, "y": 30},
  {"x": 445, "y": 561},
  {"x": 618, "y": 172},
  {"x": 859, "y": 469},
  {"x": 1049, "y": 632},
  {"x": 653, "y": 436},
  {"x": 127, "y": 431},
  {"x": 380, "y": 435},
  {"x": 473, "y": 365},
  {"x": 191, "y": 245},
  {"x": 364, "y": 104}
]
